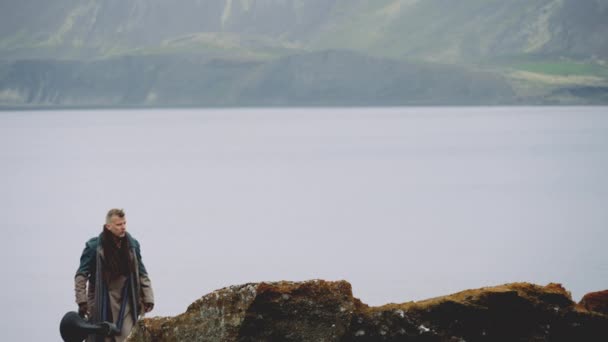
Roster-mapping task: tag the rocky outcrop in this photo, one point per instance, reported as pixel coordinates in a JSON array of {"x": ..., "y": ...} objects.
[
  {"x": 319, "y": 310},
  {"x": 596, "y": 301}
]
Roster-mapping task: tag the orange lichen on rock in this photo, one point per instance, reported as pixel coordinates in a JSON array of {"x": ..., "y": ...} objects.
[
  {"x": 596, "y": 302},
  {"x": 529, "y": 292},
  {"x": 511, "y": 311}
]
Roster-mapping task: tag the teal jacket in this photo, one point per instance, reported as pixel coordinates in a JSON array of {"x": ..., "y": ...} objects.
[{"x": 87, "y": 259}]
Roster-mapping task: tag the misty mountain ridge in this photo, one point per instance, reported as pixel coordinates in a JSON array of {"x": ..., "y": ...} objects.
[
  {"x": 548, "y": 51},
  {"x": 433, "y": 29}
]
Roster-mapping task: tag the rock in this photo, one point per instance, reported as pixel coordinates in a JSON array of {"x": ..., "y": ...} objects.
[
  {"x": 596, "y": 301},
  {"x": 314, "y": 310},
  {"x": 320, "y": 310}
]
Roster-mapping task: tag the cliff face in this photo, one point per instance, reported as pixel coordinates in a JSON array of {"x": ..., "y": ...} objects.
[
  {"x": 324, "y": 78},
  {"x": 319, "y": 310}
]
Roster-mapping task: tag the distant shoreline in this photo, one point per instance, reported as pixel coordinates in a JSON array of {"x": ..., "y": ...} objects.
[{"x": 134, "y": 107}]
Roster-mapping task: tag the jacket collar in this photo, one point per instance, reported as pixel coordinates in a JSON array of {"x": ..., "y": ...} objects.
[{"x": 132, "y": 243}]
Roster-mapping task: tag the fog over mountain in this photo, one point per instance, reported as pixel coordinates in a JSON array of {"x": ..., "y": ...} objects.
[{"x": 546, "y": 51}]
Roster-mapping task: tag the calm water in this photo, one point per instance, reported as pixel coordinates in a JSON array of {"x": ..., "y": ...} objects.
[{"x": 404, "y": 203}]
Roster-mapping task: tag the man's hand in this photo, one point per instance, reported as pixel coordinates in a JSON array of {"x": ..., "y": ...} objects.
[
  {"x": 83, "y": 309},
  {"x": 148, "y": 307}
]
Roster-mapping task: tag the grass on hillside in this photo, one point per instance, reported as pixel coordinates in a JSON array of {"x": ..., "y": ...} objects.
[{"x": 565, "y": 68}]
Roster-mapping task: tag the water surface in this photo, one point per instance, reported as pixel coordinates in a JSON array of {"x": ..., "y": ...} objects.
[{"x": 405, "y": 203}]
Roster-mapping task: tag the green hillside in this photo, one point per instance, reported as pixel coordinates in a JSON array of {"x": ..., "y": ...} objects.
[{"x": 457, "y": 31}]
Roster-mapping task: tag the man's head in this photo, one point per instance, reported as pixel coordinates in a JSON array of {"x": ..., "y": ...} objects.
[{"x": 116, "y": 222}]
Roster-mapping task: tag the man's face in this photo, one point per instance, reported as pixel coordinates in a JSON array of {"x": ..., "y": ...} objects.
[{"x": 117, "y": 225}]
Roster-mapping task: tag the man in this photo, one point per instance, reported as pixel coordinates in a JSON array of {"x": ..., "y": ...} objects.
[{"x": 119, "y": 287}]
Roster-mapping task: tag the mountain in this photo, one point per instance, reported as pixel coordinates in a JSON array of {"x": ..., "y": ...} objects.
[
  {"x": 434, "y": 29},
  {"x": 471, "y": 30},
  {"x": 548, "y": 51},
  {"x": 319, "y": 310}
]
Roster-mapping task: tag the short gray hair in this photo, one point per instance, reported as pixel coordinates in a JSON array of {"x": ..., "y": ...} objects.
[{"x": 114, "y": 212}]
